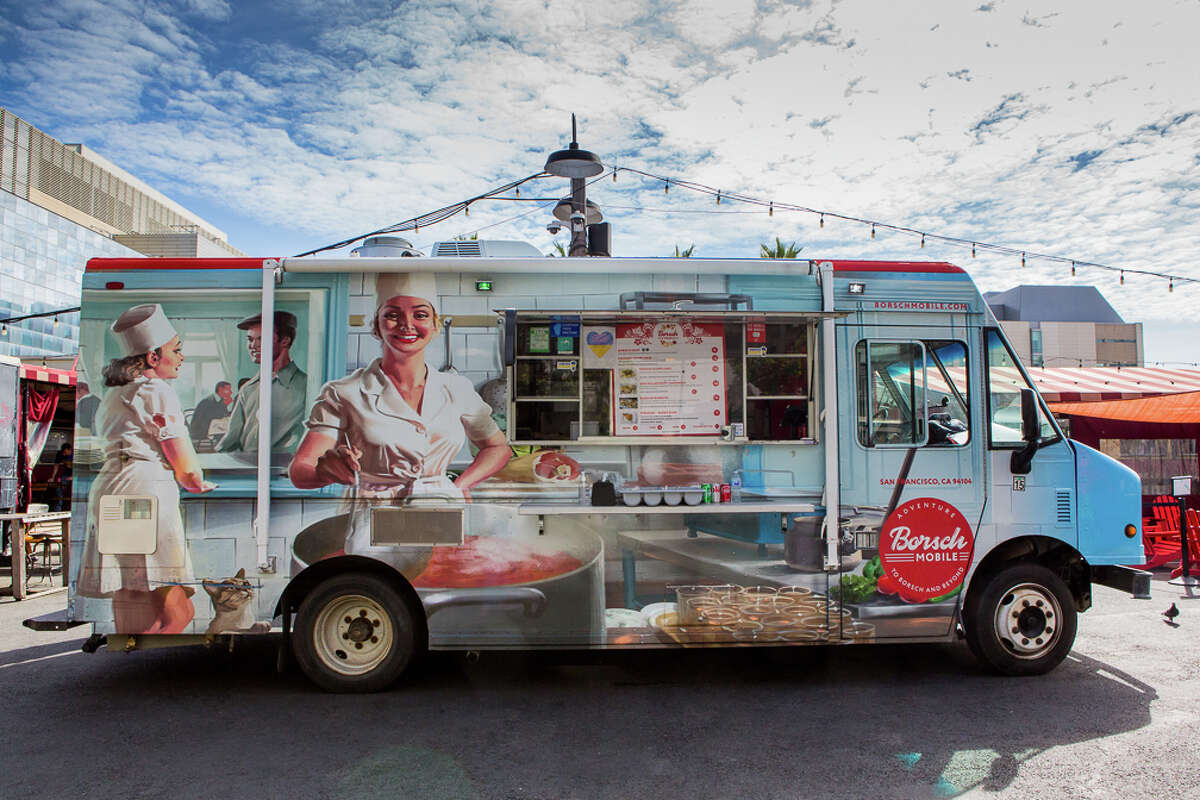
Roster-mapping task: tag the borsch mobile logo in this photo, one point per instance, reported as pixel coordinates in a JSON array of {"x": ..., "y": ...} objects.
[{"x": 925, "y": 548}]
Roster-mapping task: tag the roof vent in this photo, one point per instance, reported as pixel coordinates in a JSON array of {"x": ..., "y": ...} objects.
[{"x": 475, "y": 248}]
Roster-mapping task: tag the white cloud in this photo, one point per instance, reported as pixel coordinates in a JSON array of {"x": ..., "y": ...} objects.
[{"x": 1064, "y": 130}]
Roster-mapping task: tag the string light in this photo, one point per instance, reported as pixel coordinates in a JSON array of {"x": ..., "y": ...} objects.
[
  {"x": 1171, "y": 285},
  {"x": 467, "y": 210},
  {"x": 446, "y": 212},
  {"x": 4, "y": 329},
  {"x": 54, "y": 326}
]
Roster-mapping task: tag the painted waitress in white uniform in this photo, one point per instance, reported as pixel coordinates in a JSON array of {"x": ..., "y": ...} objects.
[
  {"x": 147, "y": 452},
  {"x": 388, "y": 431}
]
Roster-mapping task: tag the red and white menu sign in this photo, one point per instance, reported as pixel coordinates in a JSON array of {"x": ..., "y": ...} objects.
[{"x": 669, "y": 378}]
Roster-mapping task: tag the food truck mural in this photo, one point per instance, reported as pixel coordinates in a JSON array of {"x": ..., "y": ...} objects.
[{"x": 609, "y": 453}]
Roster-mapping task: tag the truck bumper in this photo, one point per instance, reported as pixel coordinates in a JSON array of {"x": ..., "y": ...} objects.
[
  {"x": 54, "y": 621},
  {"x": 1126, "y": 579}
]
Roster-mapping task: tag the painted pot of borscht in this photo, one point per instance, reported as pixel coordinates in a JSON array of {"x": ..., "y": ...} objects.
[{"x": 524, "y": 589}]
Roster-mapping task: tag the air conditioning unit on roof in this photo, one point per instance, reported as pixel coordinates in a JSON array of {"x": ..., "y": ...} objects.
[{"x": 484, "y": 248}]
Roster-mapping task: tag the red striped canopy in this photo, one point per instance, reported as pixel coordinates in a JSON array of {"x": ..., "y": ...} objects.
[{"x": 1073, "y": 384}]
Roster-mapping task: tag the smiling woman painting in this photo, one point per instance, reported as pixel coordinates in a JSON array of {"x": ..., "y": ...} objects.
[{"x": 388, "y": 431}]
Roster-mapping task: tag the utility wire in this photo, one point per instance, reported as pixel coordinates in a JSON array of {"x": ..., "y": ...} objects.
[
  {"x": 771, "y": 205},
  {"x": 427, "y": 219},
  {"x": 433, "y": 217}
]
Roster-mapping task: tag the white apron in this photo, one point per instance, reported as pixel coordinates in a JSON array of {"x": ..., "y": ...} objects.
[{"x": 133, "y": 419}]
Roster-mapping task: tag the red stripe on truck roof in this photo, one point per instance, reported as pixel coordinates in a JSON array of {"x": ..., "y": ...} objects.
[
  {"x": 896, "y": 266},
  {"x": 124, "y": 264}
]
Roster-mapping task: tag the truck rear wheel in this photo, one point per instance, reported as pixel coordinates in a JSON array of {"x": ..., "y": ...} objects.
[
  {"x": 1022, "y": 620},
  {"x": 353, "y": 633}
]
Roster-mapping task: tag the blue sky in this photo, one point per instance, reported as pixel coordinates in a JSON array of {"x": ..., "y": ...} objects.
[{"x": 1071, "y": 129}]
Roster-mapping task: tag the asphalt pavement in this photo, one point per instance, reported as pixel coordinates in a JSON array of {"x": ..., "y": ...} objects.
[{"x": 1117, "y": 719}]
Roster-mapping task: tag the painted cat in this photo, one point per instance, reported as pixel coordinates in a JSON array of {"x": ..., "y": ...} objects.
[{"x": 232, "y": 610}]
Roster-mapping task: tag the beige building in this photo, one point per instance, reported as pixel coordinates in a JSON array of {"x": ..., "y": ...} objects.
[{"x": 1066, "y": 326}]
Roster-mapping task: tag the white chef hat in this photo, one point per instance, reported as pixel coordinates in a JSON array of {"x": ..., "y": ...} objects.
[
  {"x": 142, "y": 329},
  {"x": 405, "y": 284}
]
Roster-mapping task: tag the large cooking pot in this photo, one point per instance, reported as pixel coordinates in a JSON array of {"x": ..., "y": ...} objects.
[{"x": 564, "y": 610}]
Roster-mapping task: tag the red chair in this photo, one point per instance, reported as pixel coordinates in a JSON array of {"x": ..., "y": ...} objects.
[{"x": 1160, "y": 533}]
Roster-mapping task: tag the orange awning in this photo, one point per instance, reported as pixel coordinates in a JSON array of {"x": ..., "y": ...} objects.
[{"x": 1172, "y": 408}]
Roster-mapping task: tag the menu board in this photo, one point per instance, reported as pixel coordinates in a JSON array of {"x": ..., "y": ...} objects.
[{"x": 669, "y": 378}]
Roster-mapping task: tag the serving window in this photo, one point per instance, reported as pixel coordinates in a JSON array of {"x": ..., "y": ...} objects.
[{"x": 634, "y": 376}]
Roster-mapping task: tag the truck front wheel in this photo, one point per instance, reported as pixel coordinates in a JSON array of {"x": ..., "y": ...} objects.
[
  {"x": 1021, "y": 620},
  {"x": 353, "y": 633}
]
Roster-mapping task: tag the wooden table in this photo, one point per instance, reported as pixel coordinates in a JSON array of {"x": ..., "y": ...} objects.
[{"x": 18, "y": 546}]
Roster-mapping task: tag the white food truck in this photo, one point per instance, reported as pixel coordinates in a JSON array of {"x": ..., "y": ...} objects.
[{"x": 468, "y": 453}]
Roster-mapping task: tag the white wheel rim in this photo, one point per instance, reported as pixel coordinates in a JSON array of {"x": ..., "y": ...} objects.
[
  {"x": 353, "y": 635},
  {"x": 1027, "y": 620}
]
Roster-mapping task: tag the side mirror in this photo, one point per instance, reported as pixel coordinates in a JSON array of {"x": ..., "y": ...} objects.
[
  {"x": 1031, "y": 429},
  {"x": 1022, "y": 460}
]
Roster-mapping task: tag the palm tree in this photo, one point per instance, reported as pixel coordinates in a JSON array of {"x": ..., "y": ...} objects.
[
  {"x": 559, "y": 249},
  {"x": 685, "y": 253},
  {"x": 779, "y": 250}
]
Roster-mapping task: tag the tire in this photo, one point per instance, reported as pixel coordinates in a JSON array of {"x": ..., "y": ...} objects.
[
  {"x": 354, "y": 633},
  {"x": 1021, "y": 620}
]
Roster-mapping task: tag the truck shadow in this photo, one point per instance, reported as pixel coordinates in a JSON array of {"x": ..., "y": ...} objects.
[{"x": 888, "y": 720}]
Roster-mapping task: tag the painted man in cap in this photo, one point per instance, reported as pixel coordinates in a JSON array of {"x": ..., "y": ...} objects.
[{"x": 288, "y": 385}]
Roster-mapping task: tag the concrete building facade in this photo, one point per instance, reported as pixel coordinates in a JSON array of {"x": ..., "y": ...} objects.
[
  {"x": 1066, "y": 326},
  {"x": 61, "y": 204}
]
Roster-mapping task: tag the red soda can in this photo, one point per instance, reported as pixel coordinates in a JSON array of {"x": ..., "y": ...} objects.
[{"x": 726, "y": 493}]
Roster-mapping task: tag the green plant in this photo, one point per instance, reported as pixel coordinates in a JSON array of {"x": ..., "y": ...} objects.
[{"x": 779, "y": 249}]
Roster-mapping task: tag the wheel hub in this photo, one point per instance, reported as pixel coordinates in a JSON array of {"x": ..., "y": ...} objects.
[
  {"x": 1026, "y": 620},
  {"x": 353, "y": 634}
]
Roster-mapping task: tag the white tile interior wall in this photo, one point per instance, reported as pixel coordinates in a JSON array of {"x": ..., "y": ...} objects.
[{"x": 476, "y": 350}]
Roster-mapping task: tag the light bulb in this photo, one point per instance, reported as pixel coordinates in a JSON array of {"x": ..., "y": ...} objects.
[
  {"x": 1072, "y": 269},
  {"x": 1122, "y": 277},
  {"x": 1171, "y": 285},
  {"x": 55, "y": 325},
  {"x": 872, "y": 230},
  {"x": 771, "y": 210},
  {"x": 718, "y": 197},
  {"x": 922, "y": 241},
  {"x": 972, "y": 249},
  {"x": 822, "y": 220},
  {"x": 667, "y": 187},
  {"x": 614, "y": 174},
  {"x": 1022, "y": 261},
  {"x": 517, "y": 189},
  {"x": 467, "y": 210}
]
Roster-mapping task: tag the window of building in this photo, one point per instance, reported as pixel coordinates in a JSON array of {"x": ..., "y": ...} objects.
[{"x": 1035, "y": 348}]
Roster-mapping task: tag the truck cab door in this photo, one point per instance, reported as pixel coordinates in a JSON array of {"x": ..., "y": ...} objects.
[
  {"x": 911, "y": 463},
  {"x": 1041, "y": 501}
]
